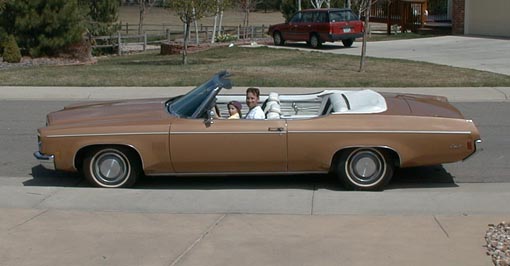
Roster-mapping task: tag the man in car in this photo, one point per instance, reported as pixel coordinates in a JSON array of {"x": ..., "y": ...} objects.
[{"x": 252, "y": 100}]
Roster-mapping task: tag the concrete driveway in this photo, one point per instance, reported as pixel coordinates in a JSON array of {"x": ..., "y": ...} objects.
[{"x": 484, "y": 54}]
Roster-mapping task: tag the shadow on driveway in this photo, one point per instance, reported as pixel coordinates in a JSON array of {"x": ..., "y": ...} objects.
[{"x": 418, "y": 177}]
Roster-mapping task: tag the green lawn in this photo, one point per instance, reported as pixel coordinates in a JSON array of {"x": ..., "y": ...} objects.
[{"x": 252, "y": 67}]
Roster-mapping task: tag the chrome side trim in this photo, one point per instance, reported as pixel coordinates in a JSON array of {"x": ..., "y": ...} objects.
[
  {"x": 46, "y": 161},
  {"x": 225, "y": 132},
  {"x": 383, "y": 131},
  {"x": 238, "y": 173},
  {"x": 107, "y": 134}
]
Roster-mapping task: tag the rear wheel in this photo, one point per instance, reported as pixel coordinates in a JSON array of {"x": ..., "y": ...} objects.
[
  {"x": 277, "y": 38},
  {"x": 348, "y": 42},
  {"x": 314, "y": 41},
  {"x": 111, "y": 167},
  {"x": 365, "y": 169}
]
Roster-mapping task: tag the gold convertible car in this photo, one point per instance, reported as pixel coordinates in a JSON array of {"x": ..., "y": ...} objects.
[{"x": 360, "y": 136}]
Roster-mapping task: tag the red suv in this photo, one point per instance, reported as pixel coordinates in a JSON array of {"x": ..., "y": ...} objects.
[{"x": 316, "y": 26}]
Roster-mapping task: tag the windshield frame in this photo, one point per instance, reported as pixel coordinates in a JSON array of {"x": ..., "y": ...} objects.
[{"x": 195, "y": 103}]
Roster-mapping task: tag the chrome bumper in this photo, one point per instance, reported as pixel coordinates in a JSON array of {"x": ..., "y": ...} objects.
[
  {"x": 47, "y": 161},
  {"x": 477, "y": 148}
]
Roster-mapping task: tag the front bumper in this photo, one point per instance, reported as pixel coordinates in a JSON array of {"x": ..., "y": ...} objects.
[{"x": 47, "y": 161}]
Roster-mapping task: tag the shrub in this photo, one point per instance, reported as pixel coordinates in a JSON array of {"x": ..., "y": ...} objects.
[
  {"x": 12, "y": 53},
  {"x": 226, "y": 38}
]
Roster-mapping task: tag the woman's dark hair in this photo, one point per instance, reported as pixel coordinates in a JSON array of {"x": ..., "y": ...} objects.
[{"x": 255, "y": 91}]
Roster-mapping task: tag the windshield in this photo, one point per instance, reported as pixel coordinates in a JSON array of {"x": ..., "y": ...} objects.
[{"x": 194, "y": 103}]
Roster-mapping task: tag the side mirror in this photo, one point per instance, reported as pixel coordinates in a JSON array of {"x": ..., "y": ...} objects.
[{"x": 210, "y": 118}]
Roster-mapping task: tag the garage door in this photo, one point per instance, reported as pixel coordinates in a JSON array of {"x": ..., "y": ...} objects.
[{"x": 488, "y": 17}]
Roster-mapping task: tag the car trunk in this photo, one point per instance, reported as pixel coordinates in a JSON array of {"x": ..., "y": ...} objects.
[{"x": 420, "y": 105}]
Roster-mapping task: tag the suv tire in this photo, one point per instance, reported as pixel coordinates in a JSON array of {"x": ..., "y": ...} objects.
[{"x": 315, "y": 41}]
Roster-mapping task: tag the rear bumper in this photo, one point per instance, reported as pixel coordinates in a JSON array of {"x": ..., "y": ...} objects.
[
  {"x": 345, "y": 36},
  {"x": 477, "y": 147},
  {"x": 46, "y": 160}
]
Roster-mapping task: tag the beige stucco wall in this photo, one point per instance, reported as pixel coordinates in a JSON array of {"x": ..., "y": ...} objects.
[{"x": 487, "y": 17}]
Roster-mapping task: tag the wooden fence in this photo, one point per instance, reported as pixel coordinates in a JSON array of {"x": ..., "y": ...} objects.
[{"x": 155, "y": 34}]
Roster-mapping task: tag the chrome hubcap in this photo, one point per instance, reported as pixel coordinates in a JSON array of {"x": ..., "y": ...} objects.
[
  {"x": 277, "y": 39},
  {"x": 314, "y": 41},
  {"x": 366, "y": 167},
  {"x": 110, "y": 168}
]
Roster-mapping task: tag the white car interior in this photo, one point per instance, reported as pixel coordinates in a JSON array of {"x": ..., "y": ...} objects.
[{"x": 302, "y": 106}]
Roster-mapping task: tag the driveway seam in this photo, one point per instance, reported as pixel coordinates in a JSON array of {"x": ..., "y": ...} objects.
[
  {"x": 441, "y": 226},
  {"x": 28, "y": 220},
  {"x": 197, "y": 241},
  {"x": 313, "y": 199},
  {"x": 36, "y": 206},
  {"x": 502, "y": 92}
]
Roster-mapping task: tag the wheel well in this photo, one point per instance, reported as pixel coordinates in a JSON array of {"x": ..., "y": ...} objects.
[
  {"x": 80, "y": 155},
  {"x": 392, "y": 154}
]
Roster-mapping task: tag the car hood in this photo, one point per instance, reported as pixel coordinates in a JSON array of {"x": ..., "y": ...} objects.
[
  {"x": 114, "y": 111},
  {"x": 420, "y": 105}
]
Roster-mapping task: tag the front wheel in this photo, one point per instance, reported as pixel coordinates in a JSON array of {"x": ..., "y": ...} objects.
[
  {"x": 111, "y": 167},
  {"x": 365, "y": 169},
  {"x": 348, "y": 42},
  {"x": 277, "y": 38}
]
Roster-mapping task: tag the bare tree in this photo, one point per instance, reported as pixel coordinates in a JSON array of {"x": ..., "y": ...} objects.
[
  {"x": 144, "y": 5},
  {"x": 221, "y": 5},
  {"x": 246, "y": 6},
  {"x": 189, "y": 11},
  {"x": 365, "y": 7},
  {"x": 318, "y": 3}
]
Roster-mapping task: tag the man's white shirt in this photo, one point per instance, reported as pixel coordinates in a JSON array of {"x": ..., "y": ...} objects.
[{"x": 255, "y": 113}]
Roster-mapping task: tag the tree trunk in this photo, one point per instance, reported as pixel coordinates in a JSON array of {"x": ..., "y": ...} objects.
[
  {"x": 221, "y": 22},
  {"x": 365, "y": 35},
  {"x": 215, "y": 24},
  {"x": 196, "y": 28},
  {"x": 186, "y": 40},
  {"x": 142, "y": 16}
]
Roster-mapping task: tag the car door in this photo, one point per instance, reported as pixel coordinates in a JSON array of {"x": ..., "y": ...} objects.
[
  {"x": 306, "y": 26},
  {"x": 291, "y": 33},
  {"x": 228, "y": 146}
]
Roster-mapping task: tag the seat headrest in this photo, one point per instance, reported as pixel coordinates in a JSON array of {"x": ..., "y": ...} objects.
[{"x": 273, "y": 97}]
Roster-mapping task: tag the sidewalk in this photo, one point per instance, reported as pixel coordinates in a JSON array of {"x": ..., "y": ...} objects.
[
  {"x": 454, "y": 94},
  {"x": 55, "y": 237},
  {"x": 250, "y": 226}
]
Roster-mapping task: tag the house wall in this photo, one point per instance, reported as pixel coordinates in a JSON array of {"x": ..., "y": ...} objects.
[{"x": 487, "y": 17}]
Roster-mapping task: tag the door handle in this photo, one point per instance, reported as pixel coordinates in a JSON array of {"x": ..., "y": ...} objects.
[{"x": 278, "y": 129}]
